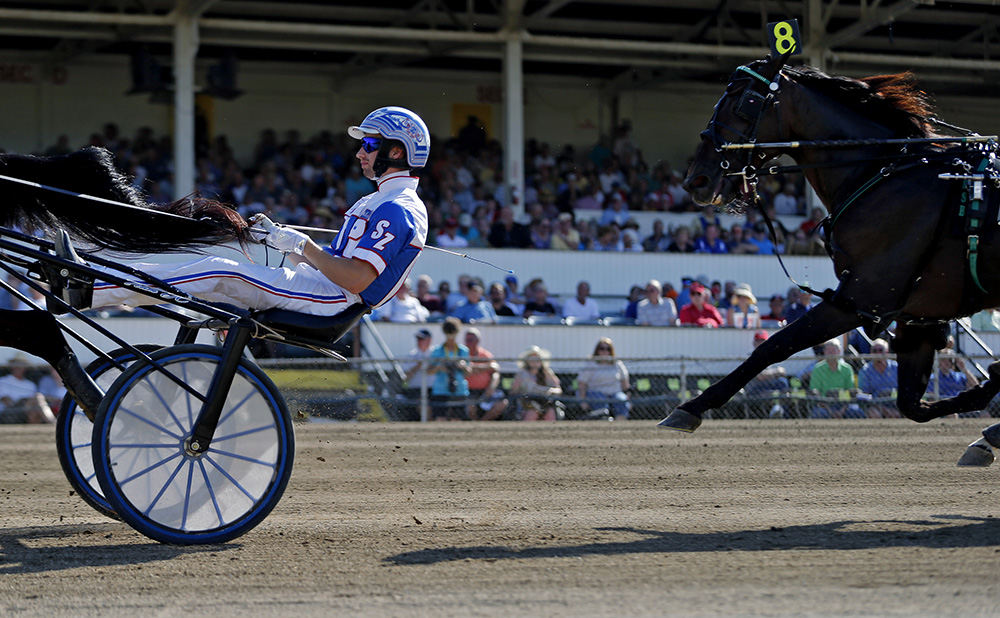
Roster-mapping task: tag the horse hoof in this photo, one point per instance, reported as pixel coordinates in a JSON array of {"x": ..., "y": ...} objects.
[
  {"x": 978, "y": 454},
  {"x": 680, "y": 420}
]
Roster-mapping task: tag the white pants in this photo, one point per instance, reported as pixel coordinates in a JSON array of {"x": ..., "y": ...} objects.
[{"x": 217, "y": 279}]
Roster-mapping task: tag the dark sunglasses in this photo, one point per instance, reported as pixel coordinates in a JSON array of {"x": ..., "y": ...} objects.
[{"x": 371, "y": 144}]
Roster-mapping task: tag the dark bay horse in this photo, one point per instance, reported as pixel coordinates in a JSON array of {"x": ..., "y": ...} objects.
[
  {"x": 891, "y": 232},
  {"x": 133, "y": 227}
]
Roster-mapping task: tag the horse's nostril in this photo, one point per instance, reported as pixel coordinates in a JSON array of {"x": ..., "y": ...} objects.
[{"x": 698, "y": 182}]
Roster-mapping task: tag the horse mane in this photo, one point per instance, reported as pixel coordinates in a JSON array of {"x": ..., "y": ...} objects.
[
  {"x": 135, "y": 227},
  {"x": 892, "y": 100}
]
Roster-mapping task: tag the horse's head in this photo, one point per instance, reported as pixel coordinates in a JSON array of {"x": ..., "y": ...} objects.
[{"x": 740, "y": 116}]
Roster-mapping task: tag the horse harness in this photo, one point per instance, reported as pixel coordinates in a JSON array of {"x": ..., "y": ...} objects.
[{"x": 978, "y": 167}]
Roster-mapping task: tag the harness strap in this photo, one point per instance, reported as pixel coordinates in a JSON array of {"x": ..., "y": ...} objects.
[{"x": 973, "y": 224}]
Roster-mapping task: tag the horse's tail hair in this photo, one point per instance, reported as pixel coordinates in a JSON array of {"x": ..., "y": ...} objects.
[{"x": 136, "y": 226}]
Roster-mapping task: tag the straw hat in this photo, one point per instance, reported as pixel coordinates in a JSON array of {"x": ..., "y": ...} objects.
[
  {"x": 743, "y": 289},
  {"x": 19, "y": 360}
]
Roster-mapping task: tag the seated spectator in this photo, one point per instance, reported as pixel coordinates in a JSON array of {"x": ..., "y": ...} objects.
[
  {"x": 760, "y": 239},
  {"x": 541, "y": 234},
  {"x": 683, "y": 297},
  {"x": 615, "y": 210},
  {"x": 607, "y": 239},
  {"x": 635, "y": 295},
  {"x": 51, "y": 386},
  {"x": 658, "y": 240},
  {"x": 706, "y": 217},
  {"x": 474, "y": 308},
  {"x": 21, "y": 399},
  {"x": 776, "y": 312},
  {"x": 878, "y": 379},
  {"x": 710, "y": 242},
  {"x": 951, "y": 378},
  {"x": 457, "y": 297},
  {"x": 539, "y": 303},
  {"x": 449, "y": 238},
  {"x": 536, "y": 387},
  {"x": 655, "y": 309},
  {"x": 699, "y": 312},
  {"x": 605, "y": 382},
  {"x": 681, "y": 242},
  {"x": 630, "y": 241},
  {"x": 737, "y": 243},
  {"x": 514, "y": 297},
  {"x": 498, "y": 299},
  {"x": 431, "y": 301},
  {"x": 807, "y": 239},
  {"x": 679, "y": 197},
  {"x": 403, "y": 307},
  {"x": 787, "y": 202},
  {"x": 508, "y": 233},
  {"x": 798, "y": 303},
  {"x": 831, "y": 378},
  {"x": 581, "y": 306},
  {"x": 743, "y": 312},
  {"x": 488, "y": 402},
  {"x": 715, "y": 294},
  {"x": 565, "y": 237},
  {"x": 449, "y": 365}
]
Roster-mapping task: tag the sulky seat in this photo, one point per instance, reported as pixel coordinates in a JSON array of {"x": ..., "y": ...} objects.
[{"x": 316, "y": 330}]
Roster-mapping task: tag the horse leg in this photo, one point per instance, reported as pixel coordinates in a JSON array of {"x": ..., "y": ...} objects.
[
  {"x": 37, "y": 332},
  {"x": 915, "y": 354},
  {"x": 819, "y": 324}
]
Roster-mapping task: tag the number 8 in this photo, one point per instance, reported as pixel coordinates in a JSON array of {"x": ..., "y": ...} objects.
[{"x": 784, "y": 39}]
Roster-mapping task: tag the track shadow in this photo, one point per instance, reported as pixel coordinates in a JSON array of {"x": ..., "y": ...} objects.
[
  {"x": 943, "y": 531},
  {"x": 18, "y": 553}
]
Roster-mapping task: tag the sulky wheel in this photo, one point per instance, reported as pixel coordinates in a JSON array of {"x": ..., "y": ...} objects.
[
  {"x": 157, "y": 484},
  {"x": 74, "y": 432}
]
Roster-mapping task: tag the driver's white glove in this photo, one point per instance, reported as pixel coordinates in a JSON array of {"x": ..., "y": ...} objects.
[{"x": 276, "y": 236}]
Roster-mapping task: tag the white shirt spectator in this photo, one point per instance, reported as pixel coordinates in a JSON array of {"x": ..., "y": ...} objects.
[
  {"x": 408, "y": 309},
  {"x": 663, "y": 313},
  {"x": 586, "y": 311},
  {"x": 17, "y": 388}
]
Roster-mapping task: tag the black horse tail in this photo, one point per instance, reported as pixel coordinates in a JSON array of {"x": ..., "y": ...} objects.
[{"x": 131, "y": 225}]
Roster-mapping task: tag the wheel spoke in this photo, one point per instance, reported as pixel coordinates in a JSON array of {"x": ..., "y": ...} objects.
[
  {"x": 240, "y": 434},
  {"x": 253, "y": 460},
  {"x": 163, "y": 489},
  {"x": 236, "y": 407},
  {"x": 151, "y": 423},
  {"x": 146, "y": 470},
  {"x": 235, "y": 483},
  {"x": 166, "y": 406},
  {"x": 211, "y": 492}
]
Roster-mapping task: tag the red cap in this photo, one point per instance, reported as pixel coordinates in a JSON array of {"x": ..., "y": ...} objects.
[
  {"x": 760, "y": 335},
  {"x": 697, "y": 287}
]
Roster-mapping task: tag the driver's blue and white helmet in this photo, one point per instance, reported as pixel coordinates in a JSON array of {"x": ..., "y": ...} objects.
[{"x": 400, "y": 124}]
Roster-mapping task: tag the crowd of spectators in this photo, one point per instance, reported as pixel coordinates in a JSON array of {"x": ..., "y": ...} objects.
[{"x": 572, "y": 200}]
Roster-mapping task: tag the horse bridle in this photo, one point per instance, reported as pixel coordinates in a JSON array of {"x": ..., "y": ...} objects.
[{"x": 751, "y": 107}]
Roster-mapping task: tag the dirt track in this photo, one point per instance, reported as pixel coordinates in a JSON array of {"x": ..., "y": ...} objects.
[{"x": 742, "y": 518}]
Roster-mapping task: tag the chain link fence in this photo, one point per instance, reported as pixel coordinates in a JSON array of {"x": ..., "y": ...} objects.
[{"x": 377, "y": 390}]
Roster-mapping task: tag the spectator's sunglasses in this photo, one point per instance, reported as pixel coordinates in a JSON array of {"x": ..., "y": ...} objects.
[{"x": 371, "y": 144}]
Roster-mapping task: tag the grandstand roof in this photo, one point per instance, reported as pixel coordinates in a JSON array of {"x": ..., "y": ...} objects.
[{"x": 629, "y": 43}]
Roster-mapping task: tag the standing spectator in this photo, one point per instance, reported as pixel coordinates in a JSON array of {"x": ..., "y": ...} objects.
[
  {"x": 582, "y": 306},
  {"x": 474, "y": 308},
  {"x": 565, "y": 237},
  {"x": 710, "y": 242},
  {"x": 743, "y": 312},
  {"x": 699, "y": 312},
  {"x": 403, "y": 307},
  {"x": 539, "y": 303},
  {"x": 829, "y": 378},
  {"x": 21, "y": 399},
  {"x": 498, "y": 299},
  {"x": 449, "y": 364},
  {"x": 416, "y": 375},
  {"x": 764, "y": 384},
  {"x": 605, "y": 382},
  {"x": 655, "y": 309},
  {"x": 658, "y": 240},
  {"x": 536, "y": 386},
  {"x": 878, "y": 378},
  {"x": 488, "y": 402}
]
